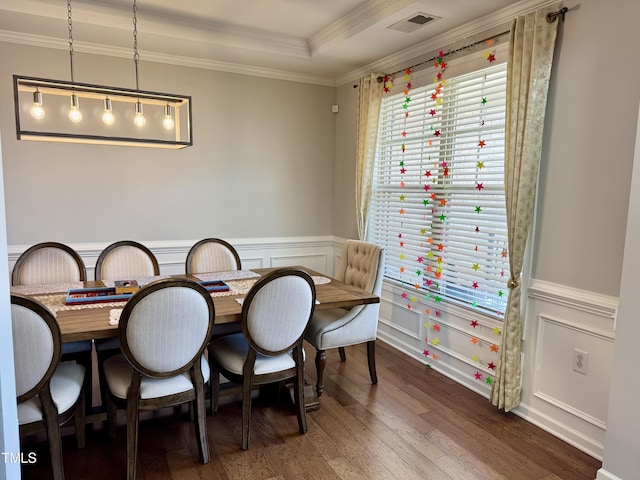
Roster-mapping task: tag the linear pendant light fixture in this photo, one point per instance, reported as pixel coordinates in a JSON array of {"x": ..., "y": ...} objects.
[{"x": 61, "y": 111}]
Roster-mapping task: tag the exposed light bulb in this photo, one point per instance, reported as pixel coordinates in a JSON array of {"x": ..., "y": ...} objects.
[
  {"x": 107, "y": 116},
  {"x": 37, "y": 111},
  {"x": 74, "y": 113},
  {"x": 168, "y": 122},
  {"x": 139, "y": 120}
]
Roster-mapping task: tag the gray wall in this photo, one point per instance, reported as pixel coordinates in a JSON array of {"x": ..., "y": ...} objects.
[
  {"x": 261, "y": 164},
  {"x": 589, "y": 139},
  {"x": 344, "y": 173}
]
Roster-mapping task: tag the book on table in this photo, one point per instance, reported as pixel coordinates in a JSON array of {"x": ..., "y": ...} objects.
[
  {"x": 122, "y": 293},
  {"x": 85, "y": 296},
  {"x": 215, "y": 286}
]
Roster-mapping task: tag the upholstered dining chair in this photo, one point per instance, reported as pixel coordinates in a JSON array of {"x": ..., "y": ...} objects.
[
  {"x": 123, "y": 260},
  {"x": 48, "y": 392},
  {"x": 361, "y": 265},
  {"x": 275, "y": 314},
  {"x": 56, "y": 263},
  {"x": 163, "y": 329},
  {"x": 212, "y": 255}
]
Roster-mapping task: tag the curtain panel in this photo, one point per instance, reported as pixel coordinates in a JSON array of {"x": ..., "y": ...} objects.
[
  {"x": 369, "y": 99},
  {"x": 529, "y": 64}
]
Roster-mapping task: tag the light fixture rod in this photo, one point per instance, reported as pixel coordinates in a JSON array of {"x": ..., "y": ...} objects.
[
  {"x": 70, "y": 24},
  {"x": 136, "y": 56}
]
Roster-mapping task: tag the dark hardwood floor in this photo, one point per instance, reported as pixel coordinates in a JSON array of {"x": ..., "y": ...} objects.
[{"x": 415, "y": 424}]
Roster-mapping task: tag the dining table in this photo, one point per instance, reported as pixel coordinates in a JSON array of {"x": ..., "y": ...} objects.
[{"x": 91, "y": 321}]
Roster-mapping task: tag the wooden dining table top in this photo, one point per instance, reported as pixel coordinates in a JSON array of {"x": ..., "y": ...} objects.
[{"x": 92, "y": 321}]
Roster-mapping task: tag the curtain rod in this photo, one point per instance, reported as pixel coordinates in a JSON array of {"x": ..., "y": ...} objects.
[{"x": 551, "y": 17}]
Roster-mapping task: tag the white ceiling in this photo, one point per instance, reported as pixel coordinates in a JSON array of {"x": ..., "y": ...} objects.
[{"x": 319, "y": 41}]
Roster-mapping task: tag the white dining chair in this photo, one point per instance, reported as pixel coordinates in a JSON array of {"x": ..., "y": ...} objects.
[
  {"x": 164, "y": 330},
  {"x": 48, "y": 392},
  {"x": 361, "y": 265},
  {"x": 275, "y": 314}
]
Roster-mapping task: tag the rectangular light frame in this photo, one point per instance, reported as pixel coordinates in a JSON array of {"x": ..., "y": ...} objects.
[{"x": 56, "y": 127}]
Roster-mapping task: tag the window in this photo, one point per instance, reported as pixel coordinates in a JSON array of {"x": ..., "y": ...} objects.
[{"x": 438, "y": 203}]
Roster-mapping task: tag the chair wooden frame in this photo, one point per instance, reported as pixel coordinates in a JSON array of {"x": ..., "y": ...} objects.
[
  {"x": 51, "y": 418},
  {"x": 134, "y": 404},
  {"x": 192, "y": 252},
  {"x": 249, "y": 379},
  {"x": 22, "y": 259},
  {"x": 124, "y": 243}
]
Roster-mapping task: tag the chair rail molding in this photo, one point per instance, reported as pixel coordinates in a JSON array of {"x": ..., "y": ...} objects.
[{"x": 595, "y": 303}]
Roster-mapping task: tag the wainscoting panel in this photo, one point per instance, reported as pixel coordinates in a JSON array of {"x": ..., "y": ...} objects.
[
  {"x": 316, "y": 261},
  {"x": 317, "y": 253},
  {"x": 460, "y": 343},
  {"x": 464, "y": 345},
  {"x": 562, "y": 323},
  {"x": 560, "y": 344}
]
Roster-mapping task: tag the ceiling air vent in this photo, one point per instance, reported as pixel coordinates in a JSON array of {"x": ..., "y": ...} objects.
[{"x": 413, "y": 23}]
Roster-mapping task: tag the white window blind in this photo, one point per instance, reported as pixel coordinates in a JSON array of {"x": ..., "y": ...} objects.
[{"x": 438, "y": 203}]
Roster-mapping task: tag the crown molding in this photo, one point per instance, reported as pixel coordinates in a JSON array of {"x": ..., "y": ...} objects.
[
  {"x": 199, "y": 32},
  {"x": 179, "y": 60},
  {"x": 354, "y": 22},
  {"x": 478, "y": 28},
  {"x": 154, "y": 22}
]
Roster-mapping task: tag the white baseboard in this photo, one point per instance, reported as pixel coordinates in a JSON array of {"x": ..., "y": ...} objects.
[{"x": 604, "y": 475}]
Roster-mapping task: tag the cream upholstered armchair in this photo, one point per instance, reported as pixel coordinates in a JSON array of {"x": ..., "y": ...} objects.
[
  {"x": 361, "y": 265},
  {"x": 163, "y": 329},
  {"x": 48, "y": 392}
]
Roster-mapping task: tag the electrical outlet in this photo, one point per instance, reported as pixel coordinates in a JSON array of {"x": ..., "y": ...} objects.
[{"x": 580, "y": 361}]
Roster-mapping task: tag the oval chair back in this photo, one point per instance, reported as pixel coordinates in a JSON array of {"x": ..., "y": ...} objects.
[
  {"x": 212, "y": 255},
  {"x": 36, "y": 345},
  {"x": 276, "y": 311},
  {"x": 165, "y": 327},
  {"x": 126, "y": 260},
  {"x": 48, "y": 262}
]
